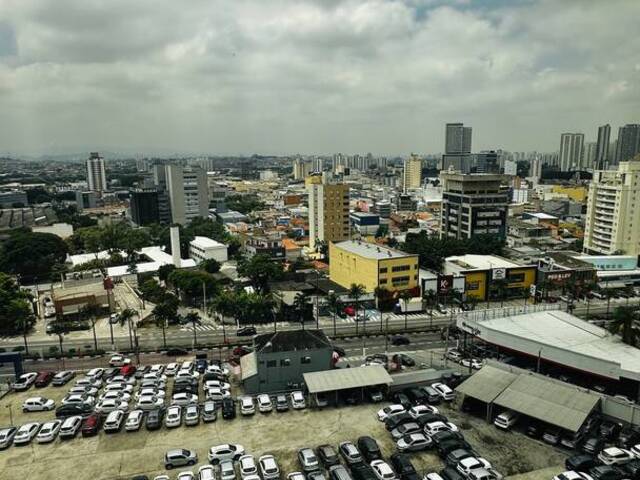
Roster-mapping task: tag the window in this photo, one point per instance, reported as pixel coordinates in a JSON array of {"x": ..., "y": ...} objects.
[
  {"x": 383, "y": 280},
  {"x": 271, "y": 363},
  {"x": 305, "y": 360},
  {"x": 400, "y": 280},
  {"x": 472, "y": 286},
  {"x": 401, "y": 268},
  {"x": 383, "y": 270},
  {"x": 285, "y": 362}
]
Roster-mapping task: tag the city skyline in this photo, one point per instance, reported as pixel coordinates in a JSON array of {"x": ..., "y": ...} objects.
[{"x": 312, "y": 77}]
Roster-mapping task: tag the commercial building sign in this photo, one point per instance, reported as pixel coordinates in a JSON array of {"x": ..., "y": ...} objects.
[
  {"x": 558, "y": 276},
  {"x": 499, "y": 273},
  {"x": 445, "y": 283}
]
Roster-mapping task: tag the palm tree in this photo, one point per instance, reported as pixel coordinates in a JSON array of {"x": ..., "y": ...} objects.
[
  {"x": 92, "y": 311},
  {"x": 224, "y": 304},
  {"x": 406, "y": 295},
  {"x": 194, "y": 318},
  {"x": 300, "y": 305},
  {"x": 162, "y": 323},
  {"x": 624, "y": 318},
  {"x": 429, "y": 297},
  {"x": 333, "y": 303},
  {"x": 356, "y": 291}
]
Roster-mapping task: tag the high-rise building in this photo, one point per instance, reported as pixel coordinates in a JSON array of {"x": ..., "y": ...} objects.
[
  {"x": 535, "y": 168},
  {"x": 457, "y": 138},
  {"x": 301, "y": 168},
  {"x": 628, "y": 142},
  {"x": 188, "y": 196},
  {"x": 590, "y": 150},
  {"x": 96, "y": 175},
  {"x": 328, "y": 210},
  {"x": 473, "y": 204},
  {"x": 602, "y": 147},
  {"x": 485, "y": 162},
  {"x": 613, "y": 216},
  {"x": 143, "y": 206},
  {"x": 412, "y": 173},
  {"x": 571, "y": 151}
]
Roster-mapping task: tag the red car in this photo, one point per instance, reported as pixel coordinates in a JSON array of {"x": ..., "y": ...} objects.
[
  {"x": 43, "y": 379},
  {"x": 127, "y": 370},
  {"x": 91, "y": 425},
  {"x": 241, "y": 351},
  {"x": 350, "y": 310}
]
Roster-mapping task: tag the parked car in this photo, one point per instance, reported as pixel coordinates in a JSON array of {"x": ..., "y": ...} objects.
[
  {"x": 445, "y": 392},
  {"x": 551, "y": 435},
  {"x": 154, "y": 419},
  {"x": 226, "y": 451},
  {"x": 6, "y": 436},
  {"x": 184, "y": 399},
  {"x": 308, "y": 460},
  {"x": 65, "y": 411},
  {"x": 420, "y": 410},
  {"x": 48, "y": 431},
  {"x": 605, "y": 472},
  {"x": 91, "y": 425},
  {"x": 339, "y": 472},
  {"x": 134, "y": 421},
  {"x": 431, "y": 395},
  {"x": 227, "y": 470},
  {"x": 615, "y": 456},
  {"x": 180, "y": 457},
  {"x": 435, "y": 427},
  {"x": 119, "y": 361},
  {"x": 62, "y": 378},
  {"x": 327, "y": 455},
  {"x": 70, "y": 427},
  {"x": 469, "y": 464},
  {"x": 402, "y": 465},
  {"x": 506, "y": 419},
  {"x": 247, "y": 407},
  {"x": 414, "y": 442},
  {"x": 405, "y": 429},
  {"x": 269, "y": 468},
  {"x": 580, "y": 463},
  {"x": 246, "y": 331},
  {"x": 26, "y": 433},
  {"x": 247, "y": 466},
  {"x": 350, "y": 453},
  {"x": 38, "y": 404},
  {"x": 369, "y": 448},
  {"x": 383, "y": 470},
  {"x": 174, "y": 416},
  {"x": 298, "y": 401},
  {"x": 264, "y": 403},
  {"x": 394, "y": 422},
  {"x": 113, "y": 422},
  {"x": 191, "y": 415},
  {"x": 209, "y": 411},
  {"x": 43, "y": 379},
  {"x": 228, "y": 409},
  {"x": 390, "y": 411},
  {"x": 282, "y": 404},
  {"x": 24, "y": 381}
]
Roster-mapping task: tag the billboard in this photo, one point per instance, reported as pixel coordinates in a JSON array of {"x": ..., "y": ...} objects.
[{"x": 445, "y": 283}]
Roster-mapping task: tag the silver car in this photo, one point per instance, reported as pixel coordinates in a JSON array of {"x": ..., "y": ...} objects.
[
  {"x": 180, "y": 457},
  {"x": 191, "y": 415}
]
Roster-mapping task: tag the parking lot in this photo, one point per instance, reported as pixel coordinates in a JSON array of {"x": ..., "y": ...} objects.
[{"x": 124, "y": 454}]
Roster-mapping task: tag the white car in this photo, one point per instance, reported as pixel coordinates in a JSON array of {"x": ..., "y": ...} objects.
[
  {"x": 615, "y": 456},
  {"x": 157, "y": 376},
  {"x": 247, "y": 466},
  {"x": 186, "y": 475},
  {"x": 489, "y": 474},
  {"x": 191, "y": 415},
  {"x": 445, "y": 392},
  {"x": 24, "y": 381},
  {"x": 297, "y": 400},
  {"x": 466, "y": 465},
  {"x": 119, "y": 361},
  {"x": 49, "y": 431},
  {"x": 89, "y": 382},
  {"x": 111, "y": 405},
  {"x": 149, "y": 402},
  {"x": 434, "y": 427},
  {"x": 186, "y": 365},
  {"x": 38, "y": 404},
  {"x": 115, "y": 395},
  {"x": 474, "y": 363},
  {"x": 184, "y": 398},
  {"x": 79, "y": 400},
  {"x": 454, "y": 355},
  {"x": 134, "y": 420},
  {"x": 122, "y": 380},
  {"x": 113, "y": 422},
  {"x": 26, "y": 433},
  {"x": 83, "y": 390},
  {"x": 414, "y": 442},
  {"x": 247, "y": 407},
  {"x": 70, "y": 427},
  {"x": 269, "y": 468},
  {"x": 174, "y": 417},
  {"x": 264, "y": 403},
  {"x": 419, "y": 410},
  {"x": 572, "y": 475},
  {"x": 96, "y": 373},
  {"x": 217, "y": 384},
  {"x": 217, "y": 369},
  {"x": 390, "y": 411},
  {"x": 157, "y": 368},
  {"x": 148, "y": 391},
  {"x": 205, "y": 472},
  {"x": 171, "y": 369},
  {"x": 227, "y": 471},
  {"x": 405, "y": 429},
  {"x": 382, "y": 470},
  {"x": 187, "y": 374},
  {"x": 217, "y": 394},
  {"x": 433, "y": 476},
  {"x": 226, "y": 451},
  {"x": 119, "y": 387}
]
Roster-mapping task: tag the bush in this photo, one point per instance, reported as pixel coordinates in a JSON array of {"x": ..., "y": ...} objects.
[
  {"x": 19, "y": 348},
  {"x": 71, "y": 351},
  {"x": 33, "y": 356}
]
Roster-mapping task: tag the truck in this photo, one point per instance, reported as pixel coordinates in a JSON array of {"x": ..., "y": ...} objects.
[{"x": 411, "y": 305}]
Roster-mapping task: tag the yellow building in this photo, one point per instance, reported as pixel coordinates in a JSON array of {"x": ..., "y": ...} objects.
[
  {"x": 577, "y": 194},
  {"x": 412, "y": 173},
  {"x": 484, "y": 272},
  {"x": 372, "y": 266},
  {"x": 328, "y": 210}
]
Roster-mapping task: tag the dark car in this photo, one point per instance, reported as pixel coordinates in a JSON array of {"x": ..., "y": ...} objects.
[
  {"x": 228, "y": 409},
  {"x": 609, "y": 430},
  {"x": 403, "y": 359},
  {"x": 551, "y": 435},
  {"x": 64, "y": 411},
  {"x": 362, "y": 471},
  {"x": 425, "y": 418},
  {"x": 403, "y": 467},
  {"x": 246, "y": 331},
  {"x": 606, "y": 472},
  {"x": 455, "y": 456},
  {"x": 629, "y": 436},
  {"x": 142, "y": 371},
  {"x": 327, "y": 455},
  {"x": 632, "y": 469},
  {"x": 445, "y": 436},
  {"x": 533, "y": 429},
  {"x": 448, "y": 446},
  {"x": 174, "y": 352},
  {"x": 369, "y": 449},
  {"x": 450, "y": 473},
  {"x": 110, "y": 372},
  {"x": 352, "y": 396},
  {"x": 417, "y": 395},
  {"x": 154, "y": 419},
  {"x": 282, "y": 404},
  {"x": 201, "y": 365},
  {"x": 580, "y": 463},
  {"x": 43, "y": 379},
  {"x": 400, "y": 340},
  {"x": 91, "y": 425},
  {"x": 392, "y": 422},
  {"x": 593, "y": 445},
  {"x": 401, "y": 399}
]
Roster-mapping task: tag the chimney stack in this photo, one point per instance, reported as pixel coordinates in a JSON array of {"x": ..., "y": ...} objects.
[{"x": 175, "y": 245}]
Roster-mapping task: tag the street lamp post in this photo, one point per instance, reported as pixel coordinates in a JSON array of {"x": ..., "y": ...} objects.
[{"x": 60, "y": 335}]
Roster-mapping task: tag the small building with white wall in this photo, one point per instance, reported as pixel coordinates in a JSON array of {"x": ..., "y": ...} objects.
[{"x": 205, "y": 248}]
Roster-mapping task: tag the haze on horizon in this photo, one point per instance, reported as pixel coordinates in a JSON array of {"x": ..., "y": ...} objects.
[{"x": 286, "y": 76}]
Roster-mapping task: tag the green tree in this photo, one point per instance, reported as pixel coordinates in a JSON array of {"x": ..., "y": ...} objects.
[
  {"x": 92, "y": 311},
  {"x": 333, "y": 303},
  {"x": 31, "y": 254},
  {"x": 259, "y": 269},
  {"x": 356, "y": 292},
  {"x": 151, "y": 290},
  {"x": 126, "y": 315},
  {"x": 624, "y": 318},
  {"x": 16, "y": 313},
  {"x": 301, "y": 306},
  {"x": 194, "y": 319},
  {"x": 167, "y": 309},
  {"x": 190, "y": 283},
  {"x": 210, "y": 265},
  {"x": 406, "y": 295},
  {"x": 165, "y": 270}
]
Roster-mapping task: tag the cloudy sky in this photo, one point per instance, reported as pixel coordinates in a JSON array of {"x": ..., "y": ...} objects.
[{"x": 286, "y": 76}]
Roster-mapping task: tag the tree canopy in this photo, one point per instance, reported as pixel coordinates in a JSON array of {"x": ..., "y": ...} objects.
[
  {"x": 30, "y": 254},
  {"x": 259, "y": 269},
  {"x": 16, "y": 314}
]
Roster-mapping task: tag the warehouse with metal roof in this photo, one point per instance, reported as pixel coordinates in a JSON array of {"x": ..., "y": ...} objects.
[{"x": 341, "y": 379}]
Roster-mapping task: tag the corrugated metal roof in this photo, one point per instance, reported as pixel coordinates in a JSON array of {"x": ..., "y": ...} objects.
[
  {"x": 558, "y": 404},
  {"x": 249, "y": 365},
  {"x": 487, "y": 383},
  {"x": 340, "y": 379}
]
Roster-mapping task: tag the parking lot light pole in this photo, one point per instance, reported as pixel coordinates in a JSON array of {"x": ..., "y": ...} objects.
[{"x": 10, "y": 414}]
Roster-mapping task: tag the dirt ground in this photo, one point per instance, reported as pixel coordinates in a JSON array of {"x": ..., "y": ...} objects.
[{"x": 125, "y": 454}]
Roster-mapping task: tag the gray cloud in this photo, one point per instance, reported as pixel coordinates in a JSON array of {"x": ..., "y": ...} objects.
[{"x": 288, "y": 76}]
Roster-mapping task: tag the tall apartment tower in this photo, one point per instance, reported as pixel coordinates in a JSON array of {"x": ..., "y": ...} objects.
[
  {"x": 473, "y": 204},
  {"x": 188, "y": 194},
  {"x": 628, "y": 142},
  {"x": 602, "y": 147},
  {"x": 301, "y": 168},
  {"x": 613, "y": 216},
  {"x": 412, "y": 173},
  {"x": 571, "y": 151},
  {"x": 457, "y": 138},
  {"x": 96, "y": 175},
  {"x": 328, "y": 210},
  {"x": 589, "y": 157}
]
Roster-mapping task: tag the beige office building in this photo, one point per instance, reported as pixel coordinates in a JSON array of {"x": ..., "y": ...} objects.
[
  {"x": 613, "y": 211},
  {"x": 328, "y": 210},
  {"x": 412, "y": 175}
]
